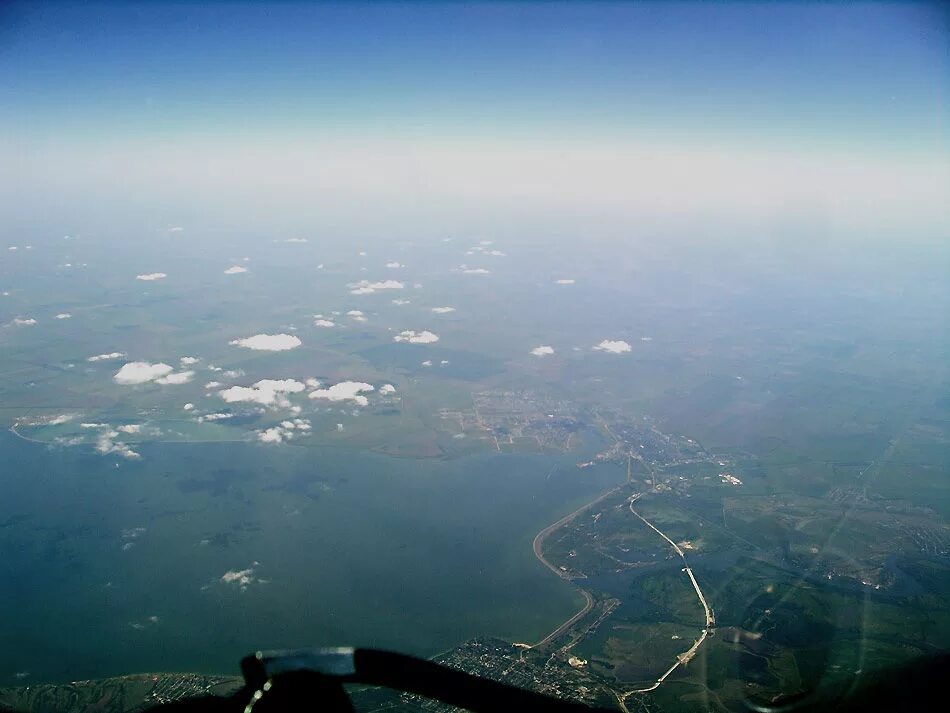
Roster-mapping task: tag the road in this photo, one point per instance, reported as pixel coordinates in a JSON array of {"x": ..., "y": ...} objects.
[
  {"x": 684, "y": 657},
  {"x": 538, "y": 546}
]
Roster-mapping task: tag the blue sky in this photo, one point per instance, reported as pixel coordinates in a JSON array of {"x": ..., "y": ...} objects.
[
  {"x": 860, "y": 73},
  {"x": 840, "y": 110}
]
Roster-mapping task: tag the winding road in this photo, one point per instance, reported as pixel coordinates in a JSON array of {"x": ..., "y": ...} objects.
[{"x": 538, "y": 547}]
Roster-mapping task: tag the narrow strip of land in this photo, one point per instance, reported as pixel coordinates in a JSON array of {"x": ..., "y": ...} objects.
[{"x": 538, "y": 547}]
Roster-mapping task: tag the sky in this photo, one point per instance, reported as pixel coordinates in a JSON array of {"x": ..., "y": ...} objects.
[{"x": 716, "y": 109}]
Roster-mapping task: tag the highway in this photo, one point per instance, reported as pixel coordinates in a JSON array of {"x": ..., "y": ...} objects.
[{"x": 687, "y": 655}]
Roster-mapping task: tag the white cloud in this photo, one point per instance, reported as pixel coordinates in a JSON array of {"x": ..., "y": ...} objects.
[
  {"x": 189, "y": 407},
  {"x": 151, "y": 276},
  {"x": 106, "y": 445},
  {"x": 324, "y": 323},
  {"x": 49, "y": 420},
  {"x": 188, "y": 360},
  {"x": 443, "y": 310},
  {"x": 365, "y": 287},
  {"x": 12, "y": 248},
  {"x": 270, "y": 435},
  {"x": 240, "y": 577},
  {"x": 131, "y": 428},
  {"x": 268, "y": 342},
  {"x": 180, "y": 377},
  {"x": 214, "y": 417},
  {"x": 565, "y": 281},
  {"x": 267, "y": 392},
  {"x": 24, "y": 321},
  {"x": 646, "y": 339},
  {"x": 423, "y": 337},
  {"x": 285, "y": 431},
  {"x": 387, "y": 389},
  {"x": 400, "y": 301},
  {"x": 542, "y": 351},
  {"x": 613, "y": 347},
  {"x": 140, "y": 372},
  {"x": 212, "y": 384},
  {"x": 427, "y": 362},
  {"x": 283, "y": 386},
  {"x": 64, "y": 315},
  {"x": 235, "y": 270},
  {"x": 465, "y": 269},
  {"x": 106, "y": 357},
  {"x": 394, "y": 265},
  {"x": 295, "y": 240},
  {"x": 482, "y": 250},
  {"x": 345, "y": 391},
  {"x": 356, "y": 315},
  {"x": 174, "y": 229}
]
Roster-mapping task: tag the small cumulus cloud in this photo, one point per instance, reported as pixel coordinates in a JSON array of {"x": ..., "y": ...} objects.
[
  {"x": 151, "y": 276},
  {"x": 543, "y": 351},
  {"x": 64, "y": 315},
  {"x": 105, "y": 444},
  {"x": 241, "y": 578},
  {"x": 565, "y": 281},
  {"x": 324, "y": 323},
  {"x": 188, "y": 360},
  {"x": 24, "y": 321},
  {"x": 173, "y": 229},
  {"x": 400, "y": 301},
  {"x": 345, "y": 391},
  {"x": 483, "y": 249},
  {"x": 387, "y": 389},
  {"x": 219, "y": 416},
  {"x": 613, "y": 346},
  {"x": 235, "y": 270},
  {"x": 284, "y": 431},
  {"x": 189, "y": 407},
  {"x": 180, "y": 377},
  {"x": 56, "y": 420},
  {"x": 295, "y": 240},
  {"x": 394, "y": 265},
  {"x": 130, "y": 428},
  {"x": 466, "y": 270},
  {"x": 267, "y": 392},
  {"x": 365, "y": 287},
  {"x": 443, "y": 310},
  {"x": 412, "y": 337},
  {"x": 356, "y": 315},
  {"x": 268, "y": 342},
  {"x": 140, "y": 372},
  {"x": 107, "y": 357}
]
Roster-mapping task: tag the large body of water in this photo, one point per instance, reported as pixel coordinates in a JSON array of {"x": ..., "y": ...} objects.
[{"x": 110, "y": 569}]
